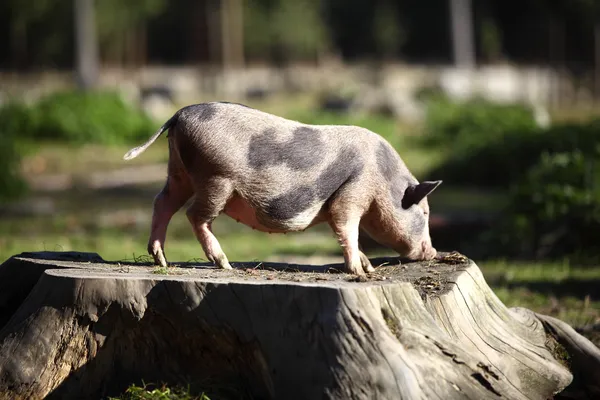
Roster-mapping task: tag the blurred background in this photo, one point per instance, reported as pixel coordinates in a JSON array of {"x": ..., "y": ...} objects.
[{"x": 499, "y": 98}]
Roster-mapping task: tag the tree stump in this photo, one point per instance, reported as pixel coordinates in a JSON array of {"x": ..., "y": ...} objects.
[{"x": 74, "y": 326}]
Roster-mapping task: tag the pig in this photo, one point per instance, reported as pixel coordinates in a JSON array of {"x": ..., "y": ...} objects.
[{"x": 278, "y": 175}]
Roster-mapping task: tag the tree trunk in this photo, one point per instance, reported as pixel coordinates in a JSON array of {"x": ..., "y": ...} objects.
[
  {"x": 86, "y": 44},
  {"x": 597, "y": 59},
  {"x": 74, "y": 326},
  {"x": 463, "y": 47}
]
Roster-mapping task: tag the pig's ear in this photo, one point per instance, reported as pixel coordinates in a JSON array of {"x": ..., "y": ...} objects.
[{"x": 415, "y": 193}]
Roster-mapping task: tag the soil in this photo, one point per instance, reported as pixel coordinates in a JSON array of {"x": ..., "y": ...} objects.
[{"x": 429, "y": 277}]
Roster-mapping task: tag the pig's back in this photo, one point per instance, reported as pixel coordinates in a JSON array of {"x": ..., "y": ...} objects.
[{"x": 262, "y": 149}]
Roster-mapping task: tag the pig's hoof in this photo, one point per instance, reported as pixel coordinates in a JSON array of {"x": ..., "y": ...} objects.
[
  {"x": 226, "y": 265},
  {"x": 366, "y": 264},
  {"x": 161, "y": 260},
  {"x": 159, "y": 255},
  {"x": 356, "y": 269},
  {"x": 222, "y": 263}
]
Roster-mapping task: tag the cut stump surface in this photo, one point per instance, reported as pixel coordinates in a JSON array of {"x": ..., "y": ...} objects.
[{"x": 75, "y": 326}]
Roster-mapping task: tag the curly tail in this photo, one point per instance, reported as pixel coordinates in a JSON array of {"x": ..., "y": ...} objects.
[{"x": 136, "y": 151}]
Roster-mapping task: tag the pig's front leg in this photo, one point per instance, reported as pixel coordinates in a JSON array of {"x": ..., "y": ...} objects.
[
  {"x": 346, "y": 232},
  {"x": 209, "y": 202}
]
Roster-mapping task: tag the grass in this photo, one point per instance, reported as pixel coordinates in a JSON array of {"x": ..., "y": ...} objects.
[
  {"x": 161, "y": 271},
  {"x": 164, "y": 392},
  {"x": 558, "y": 289},
  {"x": 54, "y": 158},
  {"x": 238, "y": 241}
]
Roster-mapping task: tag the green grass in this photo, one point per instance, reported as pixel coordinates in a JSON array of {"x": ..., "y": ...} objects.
[
  {"x": 82, "y": 232},
  {"x": 164, "y": 392},
  {"x": 161, "y": 271},
  {"x": 54, "y": 158},
  {"x": 558, "y": 289}
]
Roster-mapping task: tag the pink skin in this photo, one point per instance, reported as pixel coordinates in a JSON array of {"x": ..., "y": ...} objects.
[
  {"x": 164, "y": 209},
  {"x": 166, "y": 204},
  {"x": 210, "y": 245},
  {"x": 172, "y": 197},
  {"x": 425, "y": 252},
  {"x": 347, "y": 235}
]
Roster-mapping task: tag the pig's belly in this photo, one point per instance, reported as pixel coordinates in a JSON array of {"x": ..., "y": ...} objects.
[{"x": 243, "y": 212}]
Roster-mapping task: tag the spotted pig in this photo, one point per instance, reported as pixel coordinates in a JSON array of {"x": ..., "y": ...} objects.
[{"x": 277, "y": 175}]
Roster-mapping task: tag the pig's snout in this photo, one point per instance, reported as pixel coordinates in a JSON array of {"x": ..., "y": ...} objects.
[
  {"x": 424, "y": 252},
  {"x": 429, "y": 253}
]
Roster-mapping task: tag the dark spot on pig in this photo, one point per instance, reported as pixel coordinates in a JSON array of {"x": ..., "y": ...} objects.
[
  {"x": 346, "y": 168},
  {"x": 290, "y": 204},
  {"x": 262, "y": 150},
  {"x": 301, "y": 152},
  {"x": 305, "y": 149},
  {"x": 387, "y": 161}
]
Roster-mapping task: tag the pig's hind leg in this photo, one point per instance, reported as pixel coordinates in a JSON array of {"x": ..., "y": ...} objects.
[
  {"x": 172, "y": 197},
  {"x": 210, "y": 200}
]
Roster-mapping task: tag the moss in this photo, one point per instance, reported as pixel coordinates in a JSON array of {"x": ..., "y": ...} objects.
[
  {"x": 391, "y": 322},
  {"x": 558, "y": 351}
]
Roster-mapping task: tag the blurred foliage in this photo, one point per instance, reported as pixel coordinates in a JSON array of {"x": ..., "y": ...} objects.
[
  {"x": 492, "y": 145},
  {"x": 484, "y": 140},
  {"x": 280, "y": 29},
  {"x": 389, "y": 35},
  {"x": 467, "y": 124},
  {"x": 44, "y": 28},
  {"x": 40, "y": 30},
  {"x": 11, "y": 182},
  {"x": 77, "y": 118},
  {"x": 116, "y": 18},
  {"x": 554, "y": 210},
  {"x": 552, "y": 175},
  {"x": 74, "y": 118},
  {"x": 491, "y": 40}
]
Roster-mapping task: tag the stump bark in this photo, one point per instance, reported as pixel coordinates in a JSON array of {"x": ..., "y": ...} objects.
[{"x": 74, "y": 326}]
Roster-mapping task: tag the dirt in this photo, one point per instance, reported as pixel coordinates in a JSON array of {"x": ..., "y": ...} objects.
[{"x": 429, "y": 277}]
